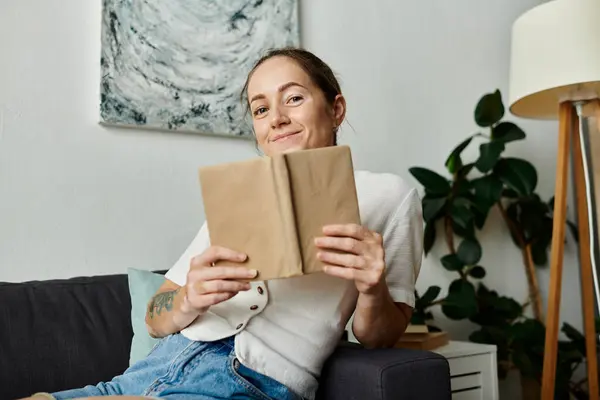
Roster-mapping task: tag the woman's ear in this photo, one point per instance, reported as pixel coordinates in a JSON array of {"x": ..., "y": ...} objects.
[{"x": 339, "y": 110}]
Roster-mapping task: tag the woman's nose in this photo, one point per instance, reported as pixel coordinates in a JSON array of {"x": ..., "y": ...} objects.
[{"x": 278, "y": 118}]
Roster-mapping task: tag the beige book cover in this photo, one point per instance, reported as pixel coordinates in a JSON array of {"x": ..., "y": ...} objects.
[{"x": 272, "y": 208}]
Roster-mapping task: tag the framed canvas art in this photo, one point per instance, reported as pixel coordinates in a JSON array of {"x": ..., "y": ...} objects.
[{"x": 179, "y": 65}]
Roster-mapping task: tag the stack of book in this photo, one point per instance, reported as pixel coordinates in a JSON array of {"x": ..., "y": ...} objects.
[{"x": 418, "y": 337}]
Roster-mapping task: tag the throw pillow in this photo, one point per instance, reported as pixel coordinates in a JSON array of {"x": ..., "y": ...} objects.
[{"x": 142, "y": 286}]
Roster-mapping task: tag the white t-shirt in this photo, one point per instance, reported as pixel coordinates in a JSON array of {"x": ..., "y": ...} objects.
[{"x": 287, "y": 328}]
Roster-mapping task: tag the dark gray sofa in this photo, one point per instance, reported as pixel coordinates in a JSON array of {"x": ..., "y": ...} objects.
[{"x": 60, "y": 334}]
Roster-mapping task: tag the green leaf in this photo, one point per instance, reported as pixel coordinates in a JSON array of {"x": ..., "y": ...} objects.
[
  {"x": 480, "y": 217},
  {"x": 533, "y": 220},
  {"x": 480, "y": 336},
  {"x": 495, "y": 310},
  {"x": 539, "y": 253},
  {"x": 524, "y": 364},
  {"x": 489, "y": 109},
  {"x": 576, "y": 337},
  {"x": 519, "y": 175},
  {"x": 530, "y": 332},
  {"x": 461, "y": 215},
  {"x": 461, "y": 201},
  {"x": 462, "y": 187},
  {"x": 432, "y": 207},
  {"x": 454, "y": 161},
  {"x": 511, "y": 194},
  {"x": 477, "y": 272},
  {"x": 489, "y": 153},
  {"x": 433, "y": 182},
  {"x": 480, "y": 209},
  {"x": 430, "y": 295},
  {"x": 464, "y": 170},
  {"x": 507, "y": 132},
  {"x": 460, "y": 302},
  {"x": 487, "y": 188},
  {"x": 452, "y": 263},
  {"x": 468, "y": 232},
  {"x": 469, "y": 251},
  {"x": 429, "y": 237}
]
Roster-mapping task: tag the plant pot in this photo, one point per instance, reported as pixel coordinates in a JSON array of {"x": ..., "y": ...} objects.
[{"x": 531, "y": 388}]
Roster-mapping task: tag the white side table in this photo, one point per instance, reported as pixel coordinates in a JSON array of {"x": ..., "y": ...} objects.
[{"x": 473, "y": 370}]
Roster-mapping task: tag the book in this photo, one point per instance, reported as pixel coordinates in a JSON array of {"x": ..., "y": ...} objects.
[
  {"x": 414, "y": 329},
  {"x": 423, "y": 341},
  {"x": 272, "y": 208}
]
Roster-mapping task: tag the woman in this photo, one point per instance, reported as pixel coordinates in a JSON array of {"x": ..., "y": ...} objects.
[{"x": 226, "y": 338}]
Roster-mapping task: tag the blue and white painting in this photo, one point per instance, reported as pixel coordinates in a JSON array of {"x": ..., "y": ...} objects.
[{"x": 179, "y": 65}]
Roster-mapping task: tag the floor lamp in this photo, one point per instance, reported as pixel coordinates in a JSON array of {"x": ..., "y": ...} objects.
[{"x": 555, "y": 74}]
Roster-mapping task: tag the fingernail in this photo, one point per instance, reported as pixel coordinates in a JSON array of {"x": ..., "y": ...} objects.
[
  {"x": 242, "y": 257},
  {"x": 252, "y": 272}
]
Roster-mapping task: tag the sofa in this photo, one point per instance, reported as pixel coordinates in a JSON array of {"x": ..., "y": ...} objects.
[{"x": 65, "y": 333}]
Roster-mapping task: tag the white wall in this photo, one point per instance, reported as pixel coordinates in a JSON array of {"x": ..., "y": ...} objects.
[{"x": 77, "y": 198}]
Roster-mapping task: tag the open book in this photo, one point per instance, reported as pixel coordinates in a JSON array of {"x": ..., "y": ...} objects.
[{"x": 272, "y": 208}]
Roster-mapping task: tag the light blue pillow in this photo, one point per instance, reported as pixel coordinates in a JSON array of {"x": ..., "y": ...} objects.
[{"x": 142, "y": 286}]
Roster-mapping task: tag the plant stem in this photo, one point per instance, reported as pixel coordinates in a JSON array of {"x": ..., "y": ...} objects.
[
  {"x": 435, "y": 303},
  {"x": 534, "y": 288},
  {"x": 532, "y": 283},
  {"x": 449, "y": 234}
]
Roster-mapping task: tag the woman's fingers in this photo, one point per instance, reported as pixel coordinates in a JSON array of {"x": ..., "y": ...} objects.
[
  {"x": 343, "y": 260},
  {"x": 346, "y": 230},
  {"x": 220, "y": 286},
  {"x": 226, "y": 272},
  {"x": 345, "y": 273},
  {"x": 346, "y": 244},
  {"x": 217, "y": 253},
  {"x": 216, "y": 298}
]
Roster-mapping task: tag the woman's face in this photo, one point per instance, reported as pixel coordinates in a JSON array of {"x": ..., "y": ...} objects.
[{"x": 289, "y": 112}]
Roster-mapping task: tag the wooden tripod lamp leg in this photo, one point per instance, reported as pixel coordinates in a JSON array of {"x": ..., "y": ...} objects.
[
  {"x": 566, "y": 118},
  {"x": 585, "y": 260}
]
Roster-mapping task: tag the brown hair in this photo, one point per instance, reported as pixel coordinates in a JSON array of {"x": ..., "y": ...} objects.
[{"x": 318, "y": 71}]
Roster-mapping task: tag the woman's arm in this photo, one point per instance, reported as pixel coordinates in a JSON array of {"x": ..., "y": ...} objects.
[
  {"x": 378, "y": 321},
  {"x": 168, "y": 311},
  {"x": 174, "y": 307},
  {"x": 384, "y": 275}
]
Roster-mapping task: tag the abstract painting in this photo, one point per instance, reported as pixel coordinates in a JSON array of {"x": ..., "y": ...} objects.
[{"x": 179, "y": 65}]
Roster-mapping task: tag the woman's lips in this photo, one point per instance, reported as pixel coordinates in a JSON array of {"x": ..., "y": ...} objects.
[{"x": 283, "y": 136}]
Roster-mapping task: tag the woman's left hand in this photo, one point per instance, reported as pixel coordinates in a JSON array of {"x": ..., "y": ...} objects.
[{"x": 357, "y": 255}]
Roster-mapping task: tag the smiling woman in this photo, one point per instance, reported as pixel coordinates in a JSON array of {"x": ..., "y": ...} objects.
[
  {"x": 226, "y": 337},
  {"x": 295, "y": 101}
]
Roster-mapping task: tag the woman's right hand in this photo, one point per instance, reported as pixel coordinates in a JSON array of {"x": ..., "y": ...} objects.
[{"x": 208, "y": 285}]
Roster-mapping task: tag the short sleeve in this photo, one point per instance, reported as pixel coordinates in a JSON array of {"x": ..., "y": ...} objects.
[
  {"x": 178, "y": 272},
  {"x": 403, "y": 245}
]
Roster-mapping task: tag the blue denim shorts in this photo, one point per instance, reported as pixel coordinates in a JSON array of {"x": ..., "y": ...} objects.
[{"x": 179, "y": 368}]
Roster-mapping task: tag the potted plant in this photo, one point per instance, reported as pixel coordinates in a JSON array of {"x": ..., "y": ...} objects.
[{"x": 457, "y": 206}]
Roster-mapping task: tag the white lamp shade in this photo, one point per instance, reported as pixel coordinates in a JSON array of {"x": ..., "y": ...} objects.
[{"x": 555, "y": 57}]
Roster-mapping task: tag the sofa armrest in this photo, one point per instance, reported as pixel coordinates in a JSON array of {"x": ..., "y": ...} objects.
[{"x": 353, "y": 372}]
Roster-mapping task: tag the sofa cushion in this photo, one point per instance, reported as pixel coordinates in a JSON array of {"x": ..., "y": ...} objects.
[
  {"x": 61, "y": 334},
  {"x": 142, "y": 286}
]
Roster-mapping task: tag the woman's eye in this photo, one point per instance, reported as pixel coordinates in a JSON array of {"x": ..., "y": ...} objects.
[
  {"x": 294, "y": 99},
  {"x": 260, "y": 110}
]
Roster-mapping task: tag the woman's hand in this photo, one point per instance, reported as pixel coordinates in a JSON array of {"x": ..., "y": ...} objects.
[
  {"x": 208, "y": 285},
  {"x": 353, "y": 252}
]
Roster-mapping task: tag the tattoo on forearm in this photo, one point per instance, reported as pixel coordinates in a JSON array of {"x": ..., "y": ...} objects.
[{"x": 162, "y": 301}]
